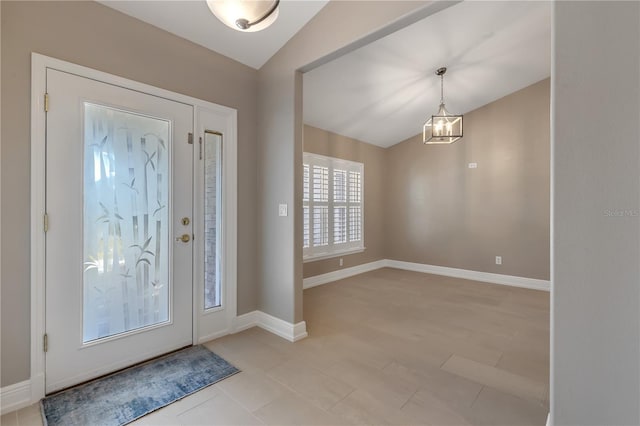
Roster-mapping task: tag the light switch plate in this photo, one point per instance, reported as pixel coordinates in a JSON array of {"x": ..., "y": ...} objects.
[
  {"x": 473, "y": 165},
  {"x": 282, "y": 210}
]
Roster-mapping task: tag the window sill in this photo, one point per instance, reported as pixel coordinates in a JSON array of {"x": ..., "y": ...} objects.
[{"x": 315, "y": 258}]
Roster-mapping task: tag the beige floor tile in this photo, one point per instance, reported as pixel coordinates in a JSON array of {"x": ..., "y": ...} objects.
[
  {"x": 219, "y": 410},
  {"x": 464, "y": 348},
  {"x": 9, "y": 419},
  {"x": 291, "y": 409},
  {"x": 252, "y": 390},
  {"x": 459, "y": 391},
  {"x": 393, "y": 390},
  {"x": 409, "y": 352},
  {"x": 360, "y": 408},
  {"x": 315, "y": 386},
  {"x": 270, "y": 339},
  {"x": 30, "y": 421},
  {"x": 525, "y": 363},
  {"x": 247, "y": 353},
  {"x": 376, "y": 345},
  {"x": 157, "y": 418},
  {"x": 500, "y": 409},
  {"x": 30, "y": 416},
  {"x": 426, "y": 409},
  {"x": 496, "y": 378},
  {"x": 357, "y": 348}
]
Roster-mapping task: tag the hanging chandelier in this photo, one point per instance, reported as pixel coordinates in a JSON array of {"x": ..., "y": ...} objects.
[
  {"x": 245, "y": 15},
  {"x": 443, "y": 127}
]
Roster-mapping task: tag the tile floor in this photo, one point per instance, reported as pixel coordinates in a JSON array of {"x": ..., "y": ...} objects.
[{"x": 386, "y": 347}]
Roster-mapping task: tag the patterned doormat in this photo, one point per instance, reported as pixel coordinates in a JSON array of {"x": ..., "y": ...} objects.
[{"x": 130, "y": 394}]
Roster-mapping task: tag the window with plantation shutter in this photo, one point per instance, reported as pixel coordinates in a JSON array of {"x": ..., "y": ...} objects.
[{"x": 332, "y": 207}]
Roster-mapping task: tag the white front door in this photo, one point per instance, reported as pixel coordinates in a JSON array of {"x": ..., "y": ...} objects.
[{"x": 119, "y": 201}]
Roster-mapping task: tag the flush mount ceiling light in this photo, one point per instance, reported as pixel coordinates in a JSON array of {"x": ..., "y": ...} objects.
[
  {"x": 245, "y": 15},
  {"x": 443, "y": 127}
]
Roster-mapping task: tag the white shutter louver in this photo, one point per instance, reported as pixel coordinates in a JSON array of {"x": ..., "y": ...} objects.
[
  {"x": 339, "y": 224},
  {"x": 355, "y": 187},
  {"x": 305, "y": 206},
  {"x": 320, "y": 184},
  {"x": 332, "y": 207},
  {"x": 320, "y": 225},
  {"x": 355, "y": 220},
  {"x": 339, "y": 186}
]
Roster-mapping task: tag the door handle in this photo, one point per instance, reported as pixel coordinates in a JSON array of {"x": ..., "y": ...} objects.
[{"x": 185, "y": 238}]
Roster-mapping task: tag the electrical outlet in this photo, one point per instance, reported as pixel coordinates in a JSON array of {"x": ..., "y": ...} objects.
[
  {"x": 282, "y": 210},
  {"x": 473, "y": 165},
  {"x": 341, "y": 262},
  {"x": 498, "y": 260}
]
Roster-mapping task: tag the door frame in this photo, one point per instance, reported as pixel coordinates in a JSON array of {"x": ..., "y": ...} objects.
[{"x": 204, "y": 113}]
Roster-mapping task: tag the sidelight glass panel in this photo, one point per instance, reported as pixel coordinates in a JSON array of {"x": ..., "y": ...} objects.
[
  {"x": 212, "y": 155},
  {"x": 126, "y": 219}
]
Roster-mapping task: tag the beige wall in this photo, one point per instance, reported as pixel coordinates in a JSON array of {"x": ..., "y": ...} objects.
[
  {"x": 321, "y": 142},
  {"x": 424, "y": 205},
  {"x": 331, "y": 32},
  {"x": 92, "y": 35},
  {"x": 440, "y": 212}
]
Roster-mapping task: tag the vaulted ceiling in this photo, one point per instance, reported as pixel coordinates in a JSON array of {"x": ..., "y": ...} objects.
[
  {"x": 194, "y": 21},
  {"x": 383, "y": 92}
]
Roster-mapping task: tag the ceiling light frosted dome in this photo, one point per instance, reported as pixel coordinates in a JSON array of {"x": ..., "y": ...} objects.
[{"x": 245, "y": 15}]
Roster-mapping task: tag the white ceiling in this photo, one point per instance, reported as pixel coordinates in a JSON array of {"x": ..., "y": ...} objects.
[
  {"x": 383, "y": 92},
  {"x": 193, "y": 21}
]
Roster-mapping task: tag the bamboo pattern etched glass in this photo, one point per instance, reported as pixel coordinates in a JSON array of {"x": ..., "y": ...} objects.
[{"x": 126, "y": 221}]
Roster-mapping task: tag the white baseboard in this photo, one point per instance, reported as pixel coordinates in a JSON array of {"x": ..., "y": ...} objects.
[
  {"x": 487, "y": 277},
  {"x": 15, "y": 397},
  {"x": 284, "y": 329},
  {"x": 213, "y": 336},
  {"x": 342, "y": 274},
  {"x": 245, "y": 321}
]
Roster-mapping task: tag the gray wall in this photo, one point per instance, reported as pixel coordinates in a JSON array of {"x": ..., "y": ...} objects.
[
  {"x": 321, "y": 142},
  {"x": 92, "y": 35},
  {"x": 596, "y": 223},
  {"x": 440, "y": 212}
]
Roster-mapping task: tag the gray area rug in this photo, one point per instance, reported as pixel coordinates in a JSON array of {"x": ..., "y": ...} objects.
[{"x": 130, "y": 394}]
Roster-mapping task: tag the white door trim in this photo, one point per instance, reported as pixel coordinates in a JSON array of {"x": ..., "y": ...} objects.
[{"x": 39, "y": 65}]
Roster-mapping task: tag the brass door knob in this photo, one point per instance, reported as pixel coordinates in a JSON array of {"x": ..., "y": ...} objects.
[{"x": 185, "y": 238}]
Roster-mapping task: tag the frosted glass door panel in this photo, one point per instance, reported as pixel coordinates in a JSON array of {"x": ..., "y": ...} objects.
[
  {"x": 126, "y": 219},
  {"x": 212, "y": 207}
]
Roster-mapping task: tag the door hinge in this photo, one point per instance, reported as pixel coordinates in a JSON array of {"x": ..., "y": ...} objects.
[
  {"x": 45, "y": 222},
  {"x": 190, "y": 139},
  {"x": 46, "y": 102},
  {"x": 200, "y": 147},
  {"x": 45, "y": 342}
]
